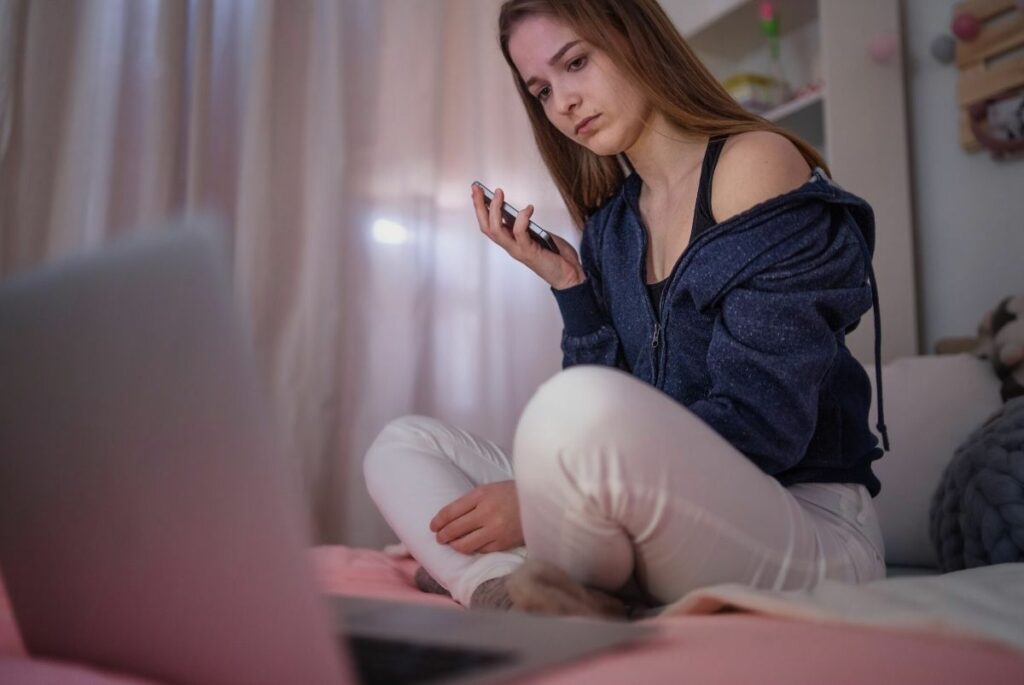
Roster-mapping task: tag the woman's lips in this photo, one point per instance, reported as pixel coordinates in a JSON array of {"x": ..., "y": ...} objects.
[{"x": 586, "y": 124}]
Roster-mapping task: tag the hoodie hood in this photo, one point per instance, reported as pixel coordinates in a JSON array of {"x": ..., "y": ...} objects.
[{"x": 734, "y": 250}]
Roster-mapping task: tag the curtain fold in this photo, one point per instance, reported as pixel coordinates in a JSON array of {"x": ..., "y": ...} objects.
[{"x": 338, "y": 139}]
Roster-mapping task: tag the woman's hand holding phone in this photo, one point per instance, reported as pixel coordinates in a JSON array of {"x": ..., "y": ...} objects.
[{"x": 560, "y": 271}]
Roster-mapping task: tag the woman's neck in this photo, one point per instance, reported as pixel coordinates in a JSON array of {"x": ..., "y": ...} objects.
[{"x": 664, "y": 155}]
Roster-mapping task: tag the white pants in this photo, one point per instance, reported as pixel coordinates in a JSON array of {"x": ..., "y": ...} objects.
[{"x": 615, "y": 478}]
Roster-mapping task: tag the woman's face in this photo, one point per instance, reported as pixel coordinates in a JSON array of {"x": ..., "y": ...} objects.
[{"x": 582, "y": 92}]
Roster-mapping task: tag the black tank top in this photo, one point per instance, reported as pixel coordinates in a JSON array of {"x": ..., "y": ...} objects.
[{"x": 703, "y": 219}]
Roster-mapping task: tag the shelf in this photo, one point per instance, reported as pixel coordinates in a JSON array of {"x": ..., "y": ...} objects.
[
  {"x": 726, "y": 35},
  {"x": 693, "y": 16},
  {"x": 804, "y": 116},
  {"x": 737, "y": 29},
  {"x": 731, "y": 42},
  {"x": 795, "y": 106}
]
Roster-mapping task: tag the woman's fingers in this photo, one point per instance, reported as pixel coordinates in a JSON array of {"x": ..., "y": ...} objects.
[
  {"x": 555, "y": 269},
  {"x": 473, "y": 542},
  {"x": 520, "y": 231},
  {"x": 491, "y": 220},
  {"x": 495, "y": 221},
  {"x": 466, "y": 523},
  {"x": 481, "y": 210},
  {"x": 484, "y": 218},
  {"x": 514, "y": 239},
  {"x": 455, "y": 509},
  {"x": 483, "y": 214}
]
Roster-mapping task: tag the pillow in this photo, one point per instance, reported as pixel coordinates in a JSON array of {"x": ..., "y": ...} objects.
[
  {"x": 977, "y": 514},
  {"x": 932, "y": 404}
]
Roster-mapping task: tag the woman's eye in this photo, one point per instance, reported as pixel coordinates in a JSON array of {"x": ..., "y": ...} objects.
[
  {"x": 574, "y": 65},
  {"x": 578, "y": 63}
]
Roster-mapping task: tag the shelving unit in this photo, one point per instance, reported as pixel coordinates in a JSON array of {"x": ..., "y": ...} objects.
[
  {"x": 854, "y": 114},
  {"x": 812, "y": 102},
  {"x": 732, "y": 42},
  {"x": 805, "y": 116}
]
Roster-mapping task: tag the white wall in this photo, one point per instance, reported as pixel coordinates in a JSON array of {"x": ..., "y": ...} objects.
[{"x": 969, "y": 208}]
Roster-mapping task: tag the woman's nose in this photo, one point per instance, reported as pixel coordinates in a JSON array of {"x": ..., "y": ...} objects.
[{"x": 567, "y": 102}]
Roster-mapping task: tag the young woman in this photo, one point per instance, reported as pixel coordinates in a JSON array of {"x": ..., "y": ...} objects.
[{"x": 711, "y": 425}]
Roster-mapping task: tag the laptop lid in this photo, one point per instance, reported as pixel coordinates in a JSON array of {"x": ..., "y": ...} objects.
[{"x": 148, "y": 524}]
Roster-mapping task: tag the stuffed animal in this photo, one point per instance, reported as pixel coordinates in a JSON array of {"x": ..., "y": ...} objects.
[{"x": 1001, "y": 339}]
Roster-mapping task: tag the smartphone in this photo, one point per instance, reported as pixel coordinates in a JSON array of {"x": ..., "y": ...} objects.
[{"x": 539, "y": 235}]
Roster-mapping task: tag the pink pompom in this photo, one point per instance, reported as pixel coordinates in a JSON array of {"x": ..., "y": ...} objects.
[
  {"x": 966, "y": 26},
  {"x": 883, "y": 47}
]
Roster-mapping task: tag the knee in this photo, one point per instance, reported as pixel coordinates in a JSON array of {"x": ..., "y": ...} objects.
[
  {"x": 573, "y": 409},
  {"x": 386, "y": 452}
]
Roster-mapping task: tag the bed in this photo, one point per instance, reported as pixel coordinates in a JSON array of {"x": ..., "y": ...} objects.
[
  {"x": 918, "y": 627},
  {"x": 699, "y": 644}
]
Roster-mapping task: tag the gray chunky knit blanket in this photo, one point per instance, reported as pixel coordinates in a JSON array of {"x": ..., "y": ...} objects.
[{"x": 977, "y": 513}]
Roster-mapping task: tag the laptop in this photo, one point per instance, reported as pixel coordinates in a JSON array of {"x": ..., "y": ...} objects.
[{"x": 149, "y": 523}]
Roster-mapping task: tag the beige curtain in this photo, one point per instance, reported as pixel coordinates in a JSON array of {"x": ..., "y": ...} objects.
[{"x": 338, "y": 138}]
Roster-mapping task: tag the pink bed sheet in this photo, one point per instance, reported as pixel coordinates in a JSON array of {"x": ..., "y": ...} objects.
[{"x": 727, "y": 648}]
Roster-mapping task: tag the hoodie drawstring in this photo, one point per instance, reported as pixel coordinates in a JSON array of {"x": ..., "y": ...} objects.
[{"x": 878, "y": 342}]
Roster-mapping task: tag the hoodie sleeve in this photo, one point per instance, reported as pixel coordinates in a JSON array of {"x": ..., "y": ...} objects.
[
  {"x": 588, "y": 336},
  {"x": 774, "y": 340}
]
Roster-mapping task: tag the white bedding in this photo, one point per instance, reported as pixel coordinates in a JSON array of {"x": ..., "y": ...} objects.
[{"x": 985, "y": 603}]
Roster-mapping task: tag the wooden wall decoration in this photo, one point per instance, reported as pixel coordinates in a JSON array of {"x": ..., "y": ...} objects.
[{"x": 990, "y": 57}]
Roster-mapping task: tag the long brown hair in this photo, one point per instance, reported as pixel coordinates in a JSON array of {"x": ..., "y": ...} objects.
[{"x": 643, "y": 42}]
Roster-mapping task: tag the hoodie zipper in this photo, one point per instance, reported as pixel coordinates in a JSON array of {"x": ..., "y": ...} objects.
[
  {"x": 656, "y": 338},
  {"x": 657, "y": 348},
  {"x": 659, "y": 316}
]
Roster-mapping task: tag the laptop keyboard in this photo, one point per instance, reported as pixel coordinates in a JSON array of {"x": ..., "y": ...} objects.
[{"x": 380, "y": 661}]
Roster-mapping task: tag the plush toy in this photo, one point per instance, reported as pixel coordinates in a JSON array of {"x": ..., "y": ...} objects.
[{"x": 1001, "y": 339}]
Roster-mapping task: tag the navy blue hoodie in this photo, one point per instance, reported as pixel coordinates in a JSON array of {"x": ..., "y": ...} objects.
[{"x": 752, "y": 326}]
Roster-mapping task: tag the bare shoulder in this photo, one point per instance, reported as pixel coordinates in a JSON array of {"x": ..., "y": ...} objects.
[{"x": 755, "y": 167}]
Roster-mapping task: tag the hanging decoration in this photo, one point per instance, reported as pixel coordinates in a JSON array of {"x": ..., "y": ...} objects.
[{"x": 989, "y": 52}]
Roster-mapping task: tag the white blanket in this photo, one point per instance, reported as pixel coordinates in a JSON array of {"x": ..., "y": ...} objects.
[{"x": 985, "y": 603}]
